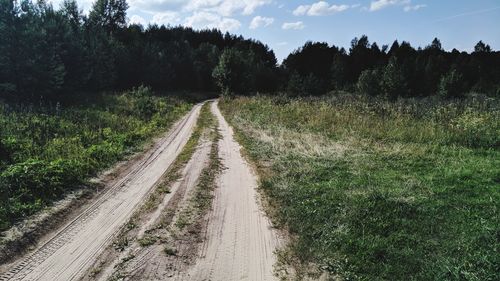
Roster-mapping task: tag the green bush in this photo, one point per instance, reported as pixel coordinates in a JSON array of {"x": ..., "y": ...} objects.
[
  {"x": 451, "y": 85},
  {"x": 394, "y": 82},
  {"x": 477, "y": 129},
  {"x": 369, "y": 82},
  {"x": 145, "y": 105},
  {"x": 46, "y": 151},
  {"x": 36, "y": 182}
]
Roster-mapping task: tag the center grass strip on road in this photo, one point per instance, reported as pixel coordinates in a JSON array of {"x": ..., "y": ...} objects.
[{"x": 148, "y": 225}]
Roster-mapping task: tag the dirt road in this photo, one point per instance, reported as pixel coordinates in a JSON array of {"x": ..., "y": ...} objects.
[
  {"x": 234, "y": 241},
  {"x": 73, "y": 248},
  {"x": 239, "y": 241}
]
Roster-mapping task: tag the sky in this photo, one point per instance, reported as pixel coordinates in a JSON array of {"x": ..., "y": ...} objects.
[{"x": 287, "y": 25}]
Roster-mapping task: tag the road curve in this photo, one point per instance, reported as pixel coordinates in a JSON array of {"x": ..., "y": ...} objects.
[
  {"x": 239, "y": 242},
  {"x": 74, "y": 247}
]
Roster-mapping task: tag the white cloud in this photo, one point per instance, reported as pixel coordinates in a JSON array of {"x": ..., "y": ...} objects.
[
  {"x": 135, "y": 19},
  {"x": 84, "y": 5},
  {"x": 293, "y": 25},
  {"x": 320, "y": 8},
  {"x": 259, "y": 21},
  {"x": 226, "y": 7},
  {"x": 166, "y": 18},
  {"x": 301, "y": 10},
  {"x": 228, "y": 24},
  {"x": 211, "y": 20},
  {"x": 381, "y": 4},
  {"x": 414, "y": 8}
]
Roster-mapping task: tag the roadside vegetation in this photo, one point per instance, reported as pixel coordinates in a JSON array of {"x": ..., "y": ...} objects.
[
  {"x": 376, "y": 190},
  {"x": 48, "y": 150}
]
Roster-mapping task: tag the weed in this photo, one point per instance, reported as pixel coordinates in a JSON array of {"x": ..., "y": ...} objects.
[
  {"x": 377, "y": 190},
  {"x": 47, "y": 151},
  {"x": 147, "y": 240},
  {"x": 170, "y": 251},
  {"x": 121, "y": 243}
]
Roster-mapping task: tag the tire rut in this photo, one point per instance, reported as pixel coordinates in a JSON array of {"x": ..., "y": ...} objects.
[{"x": 125, "y": 195}]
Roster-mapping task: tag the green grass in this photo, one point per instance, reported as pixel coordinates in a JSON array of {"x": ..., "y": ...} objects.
[
  {"x": 374, "y": 190},
  {"x": 46, "y": 151},
  {"x": 201, "y": 200}
]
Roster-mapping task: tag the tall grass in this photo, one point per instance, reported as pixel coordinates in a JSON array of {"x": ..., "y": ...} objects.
[
  {"x": 377, "y": 190},
  {"x": 45, "y": 151}
]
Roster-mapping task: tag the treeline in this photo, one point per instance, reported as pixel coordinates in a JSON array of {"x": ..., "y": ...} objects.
[
  {"x": 398, "y": 71},
  {"x": 48, "y": 53}
]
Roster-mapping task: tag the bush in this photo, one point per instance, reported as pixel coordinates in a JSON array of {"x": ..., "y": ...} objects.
[
  {"x": 45, "y": 151},
  {"x": 394, "y": 82},
  {"x": 369, "y": 82},
  {"x": 232, "y": 74},
  {"x": 144, "y": 105},
  {"x": 477, "y": 129},
  {"x": 34, "y": 179},
  {"x": 4, "y": 154},
  {"x": 305, "y": 85},
  {"x": 451, "y": 85}
]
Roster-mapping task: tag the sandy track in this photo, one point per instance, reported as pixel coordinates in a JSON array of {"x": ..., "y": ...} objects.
[
  {"x": 151, "y": 263},
  {"x": 239, "y": 242},
  {"x": 74, "y": 247}
]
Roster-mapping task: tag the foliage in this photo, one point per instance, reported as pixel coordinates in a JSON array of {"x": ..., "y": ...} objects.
[
  {"x": 369, "y": 82},
  {"x": 394, "y": 83},
  {"x": 49, "y": 54},
  {"x": 378, "y": 190},
  {"x": 406, "y": 71},
  {"x": 232, "y": 74},
  {"x": 451, "y": 85},
  {"x": 47, "y": 151}
]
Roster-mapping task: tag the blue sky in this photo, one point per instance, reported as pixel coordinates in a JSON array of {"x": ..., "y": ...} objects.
[{"x": 287, "y": 25}]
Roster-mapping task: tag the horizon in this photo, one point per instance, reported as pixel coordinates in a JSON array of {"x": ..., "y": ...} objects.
[{"x": 287, "y": 26}]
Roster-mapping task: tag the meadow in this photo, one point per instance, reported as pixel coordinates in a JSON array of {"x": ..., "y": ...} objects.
[
  {"x": 376, "y": 190},
  {"x": 48, "y": 150}
]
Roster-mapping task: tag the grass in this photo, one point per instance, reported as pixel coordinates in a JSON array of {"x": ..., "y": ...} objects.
[
  {"x": 147, "y": 240},
  {"x": 377, "y": 190},
  {"x": 201, "y": 200},
  {"x": 46, "y": 151}
]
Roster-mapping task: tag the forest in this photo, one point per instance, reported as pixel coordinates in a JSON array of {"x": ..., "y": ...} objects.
[{"x": 49, "y": 53}]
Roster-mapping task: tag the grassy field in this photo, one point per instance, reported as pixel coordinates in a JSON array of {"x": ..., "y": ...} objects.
[
  {"x": 45, "y": 151},
  {"x": 374, "y": 190}
]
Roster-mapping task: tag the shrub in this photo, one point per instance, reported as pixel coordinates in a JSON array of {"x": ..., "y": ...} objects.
[
  {"x": 369, "y": 82},
  {"x": 45, "y": 151},
  {"x": 477, "y": 129},
  {"x": 144, "y": 105},
  {"x": 451, "y": 85},
  {"x": 232, "y": 75},
  {"x": 394, "y": 82}
]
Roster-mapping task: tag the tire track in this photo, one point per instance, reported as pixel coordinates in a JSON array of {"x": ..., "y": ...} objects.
[
  {"x": 240, "y": 242},
  {"x": 72, "y": 249}
]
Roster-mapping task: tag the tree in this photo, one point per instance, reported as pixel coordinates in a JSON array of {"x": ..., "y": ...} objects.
[
  {"x": 232, "y": 73},
  {"x": 109, "y": 14},
  {"x": 73, "y": 14},
  {"x": 393, "y": 80},
  {"x": 338, "y": 71},
  {"x": 369, "y": 82},
  {"x": 436, "y": 45},
  {"x": 482, "y": 48},
  {"x": 451, "y": 84},
  {"x": 9, "y": 22}
]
